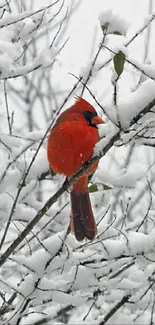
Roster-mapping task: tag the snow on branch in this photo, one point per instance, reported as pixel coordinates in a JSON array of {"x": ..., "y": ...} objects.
[
  {"x": 46, "y": 276},
  {"x": 17, "y": 32}
]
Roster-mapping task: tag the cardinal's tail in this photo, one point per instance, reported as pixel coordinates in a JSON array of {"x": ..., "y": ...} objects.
[{"x": 82, "y": 218}]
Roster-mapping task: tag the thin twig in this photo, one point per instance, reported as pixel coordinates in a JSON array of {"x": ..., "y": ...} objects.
[
  {"x": 7, "y": 107},
  {"x": 4, "y": 22}
]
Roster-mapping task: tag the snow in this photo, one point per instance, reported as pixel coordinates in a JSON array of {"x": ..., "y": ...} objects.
[
  {"x": 36, "y": 135},
  {"x": 11, "y": 141},
  {"x": 133, "y": 103},
  {"x": 55, "y": 278},
  {"x": 115, "y": 22},
  {"x": 123, "y": 179},
  {"x": 64, "y": 298}
]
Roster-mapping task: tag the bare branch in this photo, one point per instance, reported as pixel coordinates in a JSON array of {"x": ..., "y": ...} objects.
[{"x": 114, "y": 309}]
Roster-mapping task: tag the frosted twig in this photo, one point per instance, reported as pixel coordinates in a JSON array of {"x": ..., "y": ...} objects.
[
  {"x": 93, "y": 96},
  {"x": 135, "y": 65},
  {"x": 6, "y": 22},
  {"x": 7, "y": 107},
  {"x": 114, "y": 309},
  {"x": 131, "y": 39}
]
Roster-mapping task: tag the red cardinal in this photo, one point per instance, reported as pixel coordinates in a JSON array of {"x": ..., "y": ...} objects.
[{"x": 70, "y": 145}]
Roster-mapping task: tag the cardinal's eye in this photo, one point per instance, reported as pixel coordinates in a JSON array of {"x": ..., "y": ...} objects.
[{"x": 89, "y": 116}]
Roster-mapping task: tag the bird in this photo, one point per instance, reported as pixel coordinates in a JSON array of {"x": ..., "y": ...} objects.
[{"x": 70, "y": 146}]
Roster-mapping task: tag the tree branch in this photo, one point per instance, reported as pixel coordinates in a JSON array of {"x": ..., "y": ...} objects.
[{"x": 114, "y": 309}]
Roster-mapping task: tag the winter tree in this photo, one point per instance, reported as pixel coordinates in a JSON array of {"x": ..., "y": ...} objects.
[{"x": 50, "y": 53}]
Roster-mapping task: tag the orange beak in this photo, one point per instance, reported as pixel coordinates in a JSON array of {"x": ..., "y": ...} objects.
[{"x": 97, "y": 120}]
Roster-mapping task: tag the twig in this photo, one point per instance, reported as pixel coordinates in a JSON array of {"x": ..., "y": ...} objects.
[
  {"x": 7, "y": 107},
  {"x": 114, "y": 309},
  {"x": 4, "y": 22},
  {"x": 115, "y": 83},
  {"x": 131, "y": 39},
  {"x": 93, "y": 96},
  {"x": 59, "y": 29},
  {"x": 135, "y": 65},
  {"x": 148, "y": 209}
]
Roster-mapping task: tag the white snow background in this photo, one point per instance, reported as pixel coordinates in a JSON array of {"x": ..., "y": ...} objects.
[{"x": 50, "y": 278}]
